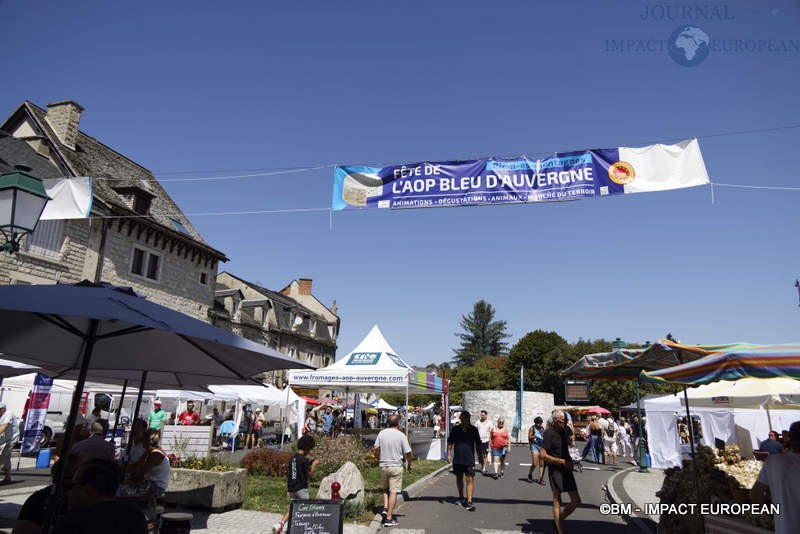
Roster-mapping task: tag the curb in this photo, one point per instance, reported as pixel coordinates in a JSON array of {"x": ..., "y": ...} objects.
[
  {"x": 632, "y": 519},
  {"x": 375, "y": 525}
]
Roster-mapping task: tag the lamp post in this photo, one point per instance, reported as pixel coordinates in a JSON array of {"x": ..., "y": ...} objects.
[{"x": 22, "y": 200}]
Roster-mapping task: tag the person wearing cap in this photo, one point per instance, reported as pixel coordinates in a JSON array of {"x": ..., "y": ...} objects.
[
  {"x": 463, "y": 444},
  {"x": 779, "y": 483},
  {"x": 8, "y": 435},
  {"x": 157, "y": 417}
]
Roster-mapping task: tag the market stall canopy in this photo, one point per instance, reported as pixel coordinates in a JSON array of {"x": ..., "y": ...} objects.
[
  {"x": 764, "y": 361},
  {"x": 9, "y": 368},
  {"x": 381, "y": 404},
  {"x": 748, "y": 393},
  {"x": 629, "y": 363},
  {"x": 597, "y": 410},
  {"x": 372, "y": 367}
]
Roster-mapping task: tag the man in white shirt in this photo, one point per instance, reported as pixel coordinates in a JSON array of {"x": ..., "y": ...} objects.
[
  {"x": 392, "y": 446},
  {"x": 779, "y": 483},
  {"x": 9, "y": 432},
  {"x": 485, "y": 428}
]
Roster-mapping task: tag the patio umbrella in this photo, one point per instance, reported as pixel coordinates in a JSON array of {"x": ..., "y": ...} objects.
[
  {"x": 311, "y": 401},
  {"x": 764, "y": 361},
  {"x": 597, "y": 410},
  {"x": 9, "y": 368},
  {"x": 104, "y": 327}
]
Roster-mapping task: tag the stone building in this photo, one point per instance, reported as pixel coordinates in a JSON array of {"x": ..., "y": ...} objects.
[
  {"x": 291, "y": 321},
  {"x": 136, "y": 235}
]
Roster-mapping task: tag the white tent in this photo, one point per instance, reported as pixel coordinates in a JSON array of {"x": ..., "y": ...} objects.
[
  {"x": 381, "y": 404},
  {"x": 748, "y": 393},
  {"x": 663, "y": 439},
  {"x": 282, "y": 405},
  {"x": 372, "y": 367}
]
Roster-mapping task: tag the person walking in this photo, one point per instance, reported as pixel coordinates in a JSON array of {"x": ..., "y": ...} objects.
[
  {"x": 300, "y": 471},
  {"x": 610, "y": 441},
  {"x": 437, "y": 419},
  {"x": 624, "y": 432},
  {"x": 555, "y": 450},
  {"x": 499, "y": 448},
  {"x": 595, "y": 436},
  {"x": 9, "y": 433},
  {"x": 463, "y": 444},
  {"x": 535, "y": 439},
  {"x": 485, "y": 428},
  {"x": 392, "y": 447}
]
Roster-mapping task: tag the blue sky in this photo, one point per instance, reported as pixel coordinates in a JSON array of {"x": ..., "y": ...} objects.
[{"x": 204, "y": 89}]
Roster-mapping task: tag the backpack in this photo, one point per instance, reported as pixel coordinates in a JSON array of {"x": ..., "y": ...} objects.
[{"x": 610, "y": 429}]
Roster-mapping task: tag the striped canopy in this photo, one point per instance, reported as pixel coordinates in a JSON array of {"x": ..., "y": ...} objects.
[
  {"x": 626, "y": 364},
  {"x": 757, "y": 361}
]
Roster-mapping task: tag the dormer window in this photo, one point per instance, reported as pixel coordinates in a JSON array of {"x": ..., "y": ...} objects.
[
  {"x": 312, "y": 327},
  {"x": 137, "y": 199}
]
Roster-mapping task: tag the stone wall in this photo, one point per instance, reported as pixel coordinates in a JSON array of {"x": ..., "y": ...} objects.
[{"x": 504, "y": 404}]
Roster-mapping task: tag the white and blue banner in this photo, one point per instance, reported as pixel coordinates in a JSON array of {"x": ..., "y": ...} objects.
[
  {"x": 563, "y": 176},
  {"x": 36, "y": 413}
]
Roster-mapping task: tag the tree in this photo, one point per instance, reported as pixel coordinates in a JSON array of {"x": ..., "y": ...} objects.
[
  {"x": 487, "y": 373},
  {"x": 482, "y": 336},
  {"x": 544, "y": 355}
]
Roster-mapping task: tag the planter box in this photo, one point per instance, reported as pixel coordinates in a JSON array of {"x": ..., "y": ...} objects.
[{"x": 212, "y": 491}]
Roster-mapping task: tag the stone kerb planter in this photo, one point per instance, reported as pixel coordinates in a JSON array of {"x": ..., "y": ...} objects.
[{"x": 209, "y": 490}]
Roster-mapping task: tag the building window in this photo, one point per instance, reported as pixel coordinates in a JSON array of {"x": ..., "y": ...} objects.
[
  {"x": 312, "y": 327},
  {"x": 47, "y": 239},
  {"x": 310, "y": 358},
  {"x": 141, "y": 204},
  {"x": 292, "y": 352},
  {"x": 146, "y": 264},
  {"x": 204, "y": 278}
]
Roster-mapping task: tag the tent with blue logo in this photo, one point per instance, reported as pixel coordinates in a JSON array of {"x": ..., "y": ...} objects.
[{"x": 372, "y": 367}]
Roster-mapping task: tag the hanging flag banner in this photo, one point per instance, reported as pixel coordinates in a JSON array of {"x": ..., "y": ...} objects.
[
  {"x": 36, "y": 413},
  {"x": 562, "y": 176}
]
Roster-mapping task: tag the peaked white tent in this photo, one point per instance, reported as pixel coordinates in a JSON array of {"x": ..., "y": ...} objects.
[
  {"x": 372, "y": 367},
  {"x": 381, "y": 404}
]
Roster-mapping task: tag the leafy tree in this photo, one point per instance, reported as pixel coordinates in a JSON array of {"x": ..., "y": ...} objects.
[
  {"x": 482, "y": 336},
  {"x": 544, "y": 355},
  {"x": 487, "y": 373}
]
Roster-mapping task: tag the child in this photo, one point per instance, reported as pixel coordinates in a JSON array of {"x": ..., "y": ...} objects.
[{"x": 301, "y": 470}]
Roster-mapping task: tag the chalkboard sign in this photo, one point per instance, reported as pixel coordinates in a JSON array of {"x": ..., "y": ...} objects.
[{"x": 316, "y": 516}]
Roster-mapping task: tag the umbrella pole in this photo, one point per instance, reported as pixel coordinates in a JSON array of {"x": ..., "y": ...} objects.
[
  {"x": 119, "y": 412},
  {"x": 769, "y": 418},
  {"x": 640, "y": 450},
  {"x": 694, "y": 458},
  {"x": 136, "y": 415},
  {"x": 56, "y": 492}
]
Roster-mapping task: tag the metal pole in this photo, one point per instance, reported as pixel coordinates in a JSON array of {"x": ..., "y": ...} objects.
[
  {"x": 406, "y": 410},
  {"x": 119, "y": 412},
  {"x": 642, "y": 455},
  {"x": 136, "y": 414},
  {"x": 56, "y": 492},
  {"x": 694, "y": 458}
]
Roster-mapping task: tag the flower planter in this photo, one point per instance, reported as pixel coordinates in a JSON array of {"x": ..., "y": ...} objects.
[{"x": 209, "y": 490}]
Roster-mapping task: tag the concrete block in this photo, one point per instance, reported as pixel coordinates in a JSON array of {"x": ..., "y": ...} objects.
[{"x": 207, "y": 489}]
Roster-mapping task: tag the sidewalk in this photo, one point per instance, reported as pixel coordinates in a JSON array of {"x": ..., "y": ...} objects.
[
  {"x": 637, "y": 489},
  {"x": 28, "y": 479}
]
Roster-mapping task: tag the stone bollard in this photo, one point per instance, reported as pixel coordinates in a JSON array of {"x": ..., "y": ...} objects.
[{"x": 335, "y": 487}]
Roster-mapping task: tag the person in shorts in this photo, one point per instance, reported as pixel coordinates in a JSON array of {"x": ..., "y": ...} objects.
[
  {"x": 463, "y": 444},
  {"x": 301, "y": 470},
  {"x": 485, "y": 428},
  {"x": 555, "y": 451},
  {"x": 535, "y": 440},
  {"x": 392, "y": 447}
]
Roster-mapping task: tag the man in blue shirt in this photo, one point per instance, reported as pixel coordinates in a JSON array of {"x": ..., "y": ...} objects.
[{"x": 327, "y": 420}]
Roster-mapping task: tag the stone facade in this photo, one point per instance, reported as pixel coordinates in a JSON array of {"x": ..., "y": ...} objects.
[
  {"x": 504, "y": 404},
  {"x": 132, "y": 215},
  {"x": 276, "y": 320}
]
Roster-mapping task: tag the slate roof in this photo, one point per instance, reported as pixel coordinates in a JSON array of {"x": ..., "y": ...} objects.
[
  {"x": 283, "y": 306},
  {"x": 14, "y": 151},
  {"x": 111, "y": 170}
]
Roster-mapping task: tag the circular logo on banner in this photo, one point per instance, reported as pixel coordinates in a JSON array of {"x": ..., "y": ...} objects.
[{"x": 621, "y": 173}]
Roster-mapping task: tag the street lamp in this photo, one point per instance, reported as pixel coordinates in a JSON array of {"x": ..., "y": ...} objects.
[{"x": 22, "y": 200}]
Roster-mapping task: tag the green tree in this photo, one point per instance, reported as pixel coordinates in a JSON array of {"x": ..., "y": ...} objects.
[
  {"x": 544, "y": 355},
  {"x": 487, "y": 373},
  {"x": 482, "y": 336}
]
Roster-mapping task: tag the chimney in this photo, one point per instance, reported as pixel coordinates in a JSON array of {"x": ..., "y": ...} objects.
[
  {"x": 64, "y": 118},
  {"x": 305, "y": 286}
]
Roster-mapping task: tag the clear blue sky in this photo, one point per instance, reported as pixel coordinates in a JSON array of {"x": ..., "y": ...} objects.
[{"x": 208, "y": 89}]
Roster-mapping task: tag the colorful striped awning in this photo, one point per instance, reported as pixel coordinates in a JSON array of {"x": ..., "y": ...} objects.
[
  {"x": 627, "y": 364},
  {"x": 757, "y": 361}
]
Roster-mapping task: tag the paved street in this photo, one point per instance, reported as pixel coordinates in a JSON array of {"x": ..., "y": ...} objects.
[{"x": 509, "y": 504}]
